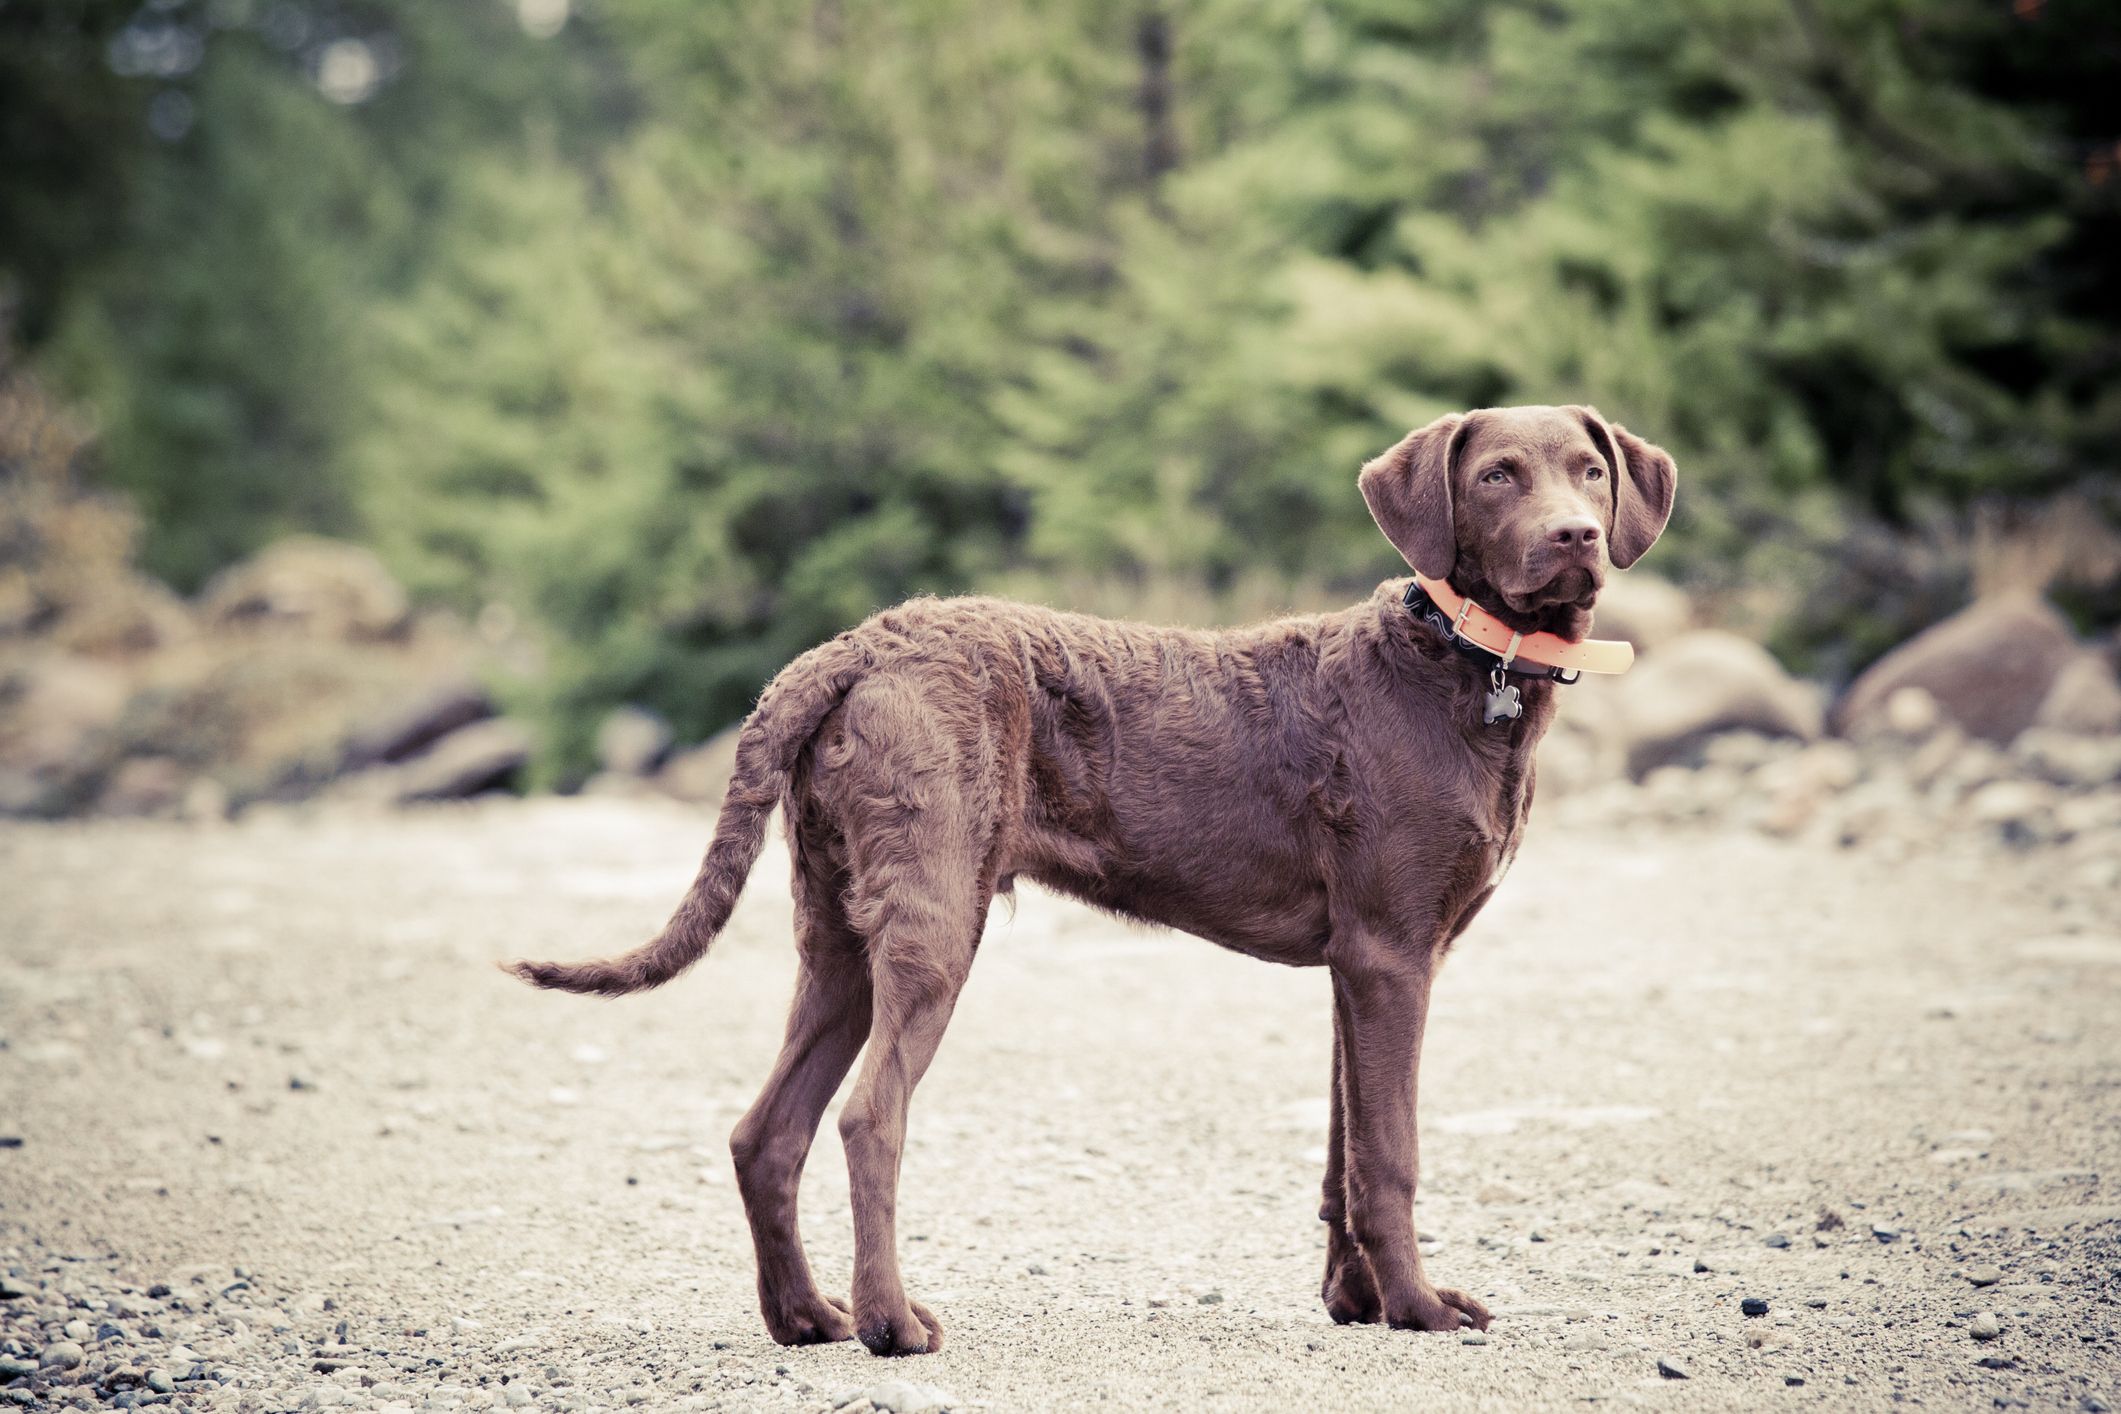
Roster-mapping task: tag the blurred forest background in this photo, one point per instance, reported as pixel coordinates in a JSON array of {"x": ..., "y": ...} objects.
[{"x": 670, "y": 338}]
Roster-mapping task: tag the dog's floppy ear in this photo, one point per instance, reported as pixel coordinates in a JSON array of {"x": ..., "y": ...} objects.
[
  {"x": 1408, "y": 490},
  {"x": 1644, "y": 480}
]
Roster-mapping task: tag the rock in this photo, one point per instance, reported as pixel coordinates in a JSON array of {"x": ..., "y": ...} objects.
[
  {"x": 57, "y": 712},
  {"x": 632, "y": 741},
  {"x": 1570, "y": 759},
  {"x": 1473, "y": 1338},
  {"x": 515, "y": 1397},
  {"x": 2085, "y": 698},
  {"x": 323, "y": 588},
  {"x": 471, "y": 759},
  {"x": 2068, "y": 759},
  {"x": 1885, "y": 1232},
  {"x": 1990, "y": 668},
  {"x": 1797, "y": 786},
  {"x": 1701, "y": 1266},
  {"x": 77, "y": 1330},
  {"x": 701, "y": 774},
  {"x": 14, "y": 1368},
  {"x": 205, "y": 802},
  {"x": 1671, "y": 1369},
  {"x": 1644, "y": 610},
  {"x": 1778, "y": 1239},
  {"x": 1913, "y": 713},
  {"x": 144, "y": 786},
  {"x": 2093, "y": 1404},
  {"x": 1984, "y": 1276},
  {"x": 1985, "y": 1326},
  {"x": 1703, "y": 683},
  {"x": 1753, "y": 1306},
  {"x": 65, "y": 1354},
  {"x": 1210, "y": 1298},
  {"x": 416, "y": 723},
  {"x": 906, "y": 1397},
  {"x": 160, "y": 1382},
  {"x": 2021, "y": 811}
]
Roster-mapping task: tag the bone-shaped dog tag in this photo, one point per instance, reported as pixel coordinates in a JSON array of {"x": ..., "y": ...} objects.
[{"x": 1504, "y": 703}]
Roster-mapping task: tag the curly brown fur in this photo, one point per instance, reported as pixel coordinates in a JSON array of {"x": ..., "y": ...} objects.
[{"x": 1312, "y": 791}]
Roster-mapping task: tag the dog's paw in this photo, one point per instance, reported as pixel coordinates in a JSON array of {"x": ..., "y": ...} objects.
[
  {"x": 1443, "y": 1309},
  {"x": 1350, "y": 1293},
  {"x": 821, "y": 1321},
  {"x": 912, "y": 1330}
]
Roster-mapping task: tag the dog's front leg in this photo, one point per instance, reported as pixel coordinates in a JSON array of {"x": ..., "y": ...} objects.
[
  {"x": 1349, "y": 1290},
  {"x": 1381, "y": 1005}
]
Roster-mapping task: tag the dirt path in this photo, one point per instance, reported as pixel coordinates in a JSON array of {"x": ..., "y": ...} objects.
[{"x": 269, "y": 1067}]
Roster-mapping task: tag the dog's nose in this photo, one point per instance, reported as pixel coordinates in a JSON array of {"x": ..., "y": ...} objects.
[{"x": 1571, "y": 532}]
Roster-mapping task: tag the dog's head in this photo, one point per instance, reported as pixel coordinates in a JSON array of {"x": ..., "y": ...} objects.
[{"x": 1523, "y": 508}]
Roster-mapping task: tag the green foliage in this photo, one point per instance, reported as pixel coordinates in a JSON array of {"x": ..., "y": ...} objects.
[{"x": 695, "y": 332}]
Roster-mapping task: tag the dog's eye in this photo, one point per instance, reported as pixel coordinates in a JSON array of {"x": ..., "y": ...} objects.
[
  {"x": 1497, "y": 477},
  {"x": 1594, "y": 472}
]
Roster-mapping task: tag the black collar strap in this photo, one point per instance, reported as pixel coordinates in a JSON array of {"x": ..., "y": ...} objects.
[{"x": 1422, "y": 607}]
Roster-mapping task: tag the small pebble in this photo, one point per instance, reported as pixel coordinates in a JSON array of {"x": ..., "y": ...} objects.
[
  {"x": 66, "y": 1354},
  {"x": 77, "y": 1330},
  {"x": 1774, "y": 1239},
  {"x": 1473, "y": 1338},
  {"x": 1671, "y": 1369},
  {"x": 160, "y": 1382},
  {"x": 1985, "y": 1276},
  {"x": 1986, "y": 1326},
  {"x": 1753, "y": 1306},
  {"x": 1884, "y": 1233}
]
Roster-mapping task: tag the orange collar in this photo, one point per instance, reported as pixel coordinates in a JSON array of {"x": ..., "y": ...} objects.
[{"x": 1475, "y": 625}]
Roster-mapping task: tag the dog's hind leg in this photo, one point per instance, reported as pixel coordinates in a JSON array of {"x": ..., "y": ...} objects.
[
  {"x": 918, "y": 961},
  {"x": 826, "y": 1028}
]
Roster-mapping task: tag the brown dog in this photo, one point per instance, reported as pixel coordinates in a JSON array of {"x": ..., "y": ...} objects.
[{"x": 1314, "y": 790}]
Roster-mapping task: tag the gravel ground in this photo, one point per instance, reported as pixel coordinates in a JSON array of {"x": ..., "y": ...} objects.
[{"x": 280, "y": 1138}]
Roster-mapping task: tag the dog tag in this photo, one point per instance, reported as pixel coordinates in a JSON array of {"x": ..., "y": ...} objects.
[{"x": 1504, "y": 703}]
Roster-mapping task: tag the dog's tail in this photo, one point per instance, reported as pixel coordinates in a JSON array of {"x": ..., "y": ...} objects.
[{"x": 786, "y": 718}]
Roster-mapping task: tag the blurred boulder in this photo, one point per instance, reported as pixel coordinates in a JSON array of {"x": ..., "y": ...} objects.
[
  {"x": 632, "y": 741},
  {"x": 2085, "y": 698},
  {"x": 1912, "y": 714},
  {"x": 1795, "y": 788},
  {"x": 127, "y": 613},
  {"x": 700, "y": 774},
  {"x": 482, "y": 756},
  {"x": 2069, "y": 759},
  {"x": 1643, "y": 610},
  {"x": 1700, "y": 684},
  {"x": 145, "y": 786},
  {"x": 1990, "y": 668},
  {"x": 1567, "y": 761},
  {"x": 57, "y": 713},
  {"x": 417, "y": 722},
  {"x": 324, "y": 588},
  {"x": 2023, "y": 812},
  {"x": 1974, "y": 765}
]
